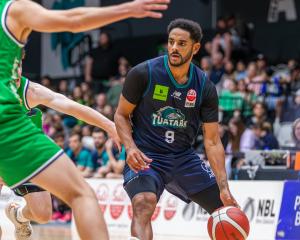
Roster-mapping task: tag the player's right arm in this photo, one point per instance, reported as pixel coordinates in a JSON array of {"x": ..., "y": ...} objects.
[
  {"x": 25, "y": 16},
  {"x": 133, "y": 90},
  {"x": 40, "y": 95}
]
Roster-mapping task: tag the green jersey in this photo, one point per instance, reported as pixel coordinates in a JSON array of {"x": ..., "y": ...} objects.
[
  {"x": 10, "y": 60},
  {"x": 35, "y": 114}
]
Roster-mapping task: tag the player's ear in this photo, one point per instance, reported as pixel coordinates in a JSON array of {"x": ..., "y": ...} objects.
[{"x": 196, "y": 48}]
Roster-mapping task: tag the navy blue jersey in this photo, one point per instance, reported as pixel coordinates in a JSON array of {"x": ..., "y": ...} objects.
[{"x": 168, "y": 115}]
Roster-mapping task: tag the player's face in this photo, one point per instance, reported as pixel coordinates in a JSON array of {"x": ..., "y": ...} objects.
[{"x": 181, "y": 47}]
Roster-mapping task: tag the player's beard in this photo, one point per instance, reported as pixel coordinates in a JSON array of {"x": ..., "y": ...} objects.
[{"x": 182, "y": 61}]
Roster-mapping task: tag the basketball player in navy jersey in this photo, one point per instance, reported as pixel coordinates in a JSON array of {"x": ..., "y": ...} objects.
[{"x": 163, "y": 103}]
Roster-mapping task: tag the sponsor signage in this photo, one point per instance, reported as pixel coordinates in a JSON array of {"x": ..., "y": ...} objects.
[
  {"x": 259, "y": 199},
  {"x": 289, "y": 218}
]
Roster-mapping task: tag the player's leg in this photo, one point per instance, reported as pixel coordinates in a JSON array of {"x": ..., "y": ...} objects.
[
  {"x": 30, "y": 155},
  {"x": 63, "y": 180},
  {"x": 144, "y": 192},
  {"x": 34, "y": 210},
  {"x": 38, "y": 208},
  {"x": 198, "y": 182},
  {"x": 204, "y": 198}
]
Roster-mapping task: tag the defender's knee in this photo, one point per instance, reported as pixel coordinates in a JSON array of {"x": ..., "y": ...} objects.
[
  {"x": 42, "y": 213},
  {"x": 85, "y": 191}
]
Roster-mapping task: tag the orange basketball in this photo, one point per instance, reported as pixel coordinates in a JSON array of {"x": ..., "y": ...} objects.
[{"x": 228, "y": 223}]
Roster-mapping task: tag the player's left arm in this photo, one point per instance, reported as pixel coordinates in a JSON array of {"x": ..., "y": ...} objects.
[
  {"x": 213, "y": 146},
  {"x": 40, "y": 95}
]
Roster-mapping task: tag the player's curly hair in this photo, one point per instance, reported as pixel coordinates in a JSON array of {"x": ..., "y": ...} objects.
[{"x": 188, "y": 25}]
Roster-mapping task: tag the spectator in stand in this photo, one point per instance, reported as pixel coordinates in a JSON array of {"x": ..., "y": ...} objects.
[
  {"x": 217, "y": 68},
  {"x": 80, "y": 155},
  {"x": 206, "y": 65},
  {"x": 53, "y": 123},
  {"x": 240, "y": 72},
  {"x": 63, "y": 87},
  {"x": 265, "y": 140},
  {"x": 240, "y": 139},
  {"x": 77, "y": 95},
  {"x": 296, "y": 133},
  {"x": 261, "y": 63},
  {"x": 259, "y": 114},
  {"x": 249, "y": 100},
  {"x": 87, "y": 139},
  {"x": 85, "y": 88},
  {"x": 59, "y": 139},
  {"x": 101, "y": 63},
  {"x": 295, "y": 78},
  {"x": 230, "y": 101},
  {"x": 115, "y": 90},
  {"x": 108, "y": 162},
  {"x": 87, "y": 94},
  {"x": 291, "y": 110},
  {"x": 254, "y": 80},
  {"x": 46, "y": 82},
  {"x": 272, "y": 91},
  {"x": 229, "y": 70},
  {"x": 227, "y": 39},
  {"x": 108, "y": 112},
  {"x": 100, "y": 102}
]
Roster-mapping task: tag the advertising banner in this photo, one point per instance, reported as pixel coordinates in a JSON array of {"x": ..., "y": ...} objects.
[
  {"x": 174, "y": 219},
  {"x": 289, "y": 218}
]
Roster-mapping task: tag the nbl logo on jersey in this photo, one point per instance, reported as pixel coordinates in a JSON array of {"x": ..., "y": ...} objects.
[{"x": 191, "y": 98}]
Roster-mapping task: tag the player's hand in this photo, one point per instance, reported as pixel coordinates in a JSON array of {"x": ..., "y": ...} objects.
[
  {"x": 227, "y": 198},
  {"x": 148, "y": 8},
  {"x": 115, "y": 137},
  {"x": 137, "y": 160}
]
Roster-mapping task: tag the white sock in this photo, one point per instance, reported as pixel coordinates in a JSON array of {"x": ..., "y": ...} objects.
[{"x": 20, "y": 216}]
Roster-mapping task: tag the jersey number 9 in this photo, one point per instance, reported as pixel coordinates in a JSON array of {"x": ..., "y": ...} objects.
[{"x": 169, "y": 136}]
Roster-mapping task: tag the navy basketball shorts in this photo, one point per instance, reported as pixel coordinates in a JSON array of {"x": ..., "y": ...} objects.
[{"x": 182, "y": 174}]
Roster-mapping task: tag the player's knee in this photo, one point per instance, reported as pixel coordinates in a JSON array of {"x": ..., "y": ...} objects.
[
  {"x": 78, "y": 193},
  {"x": 144, "y": 205},
  {"x": 42, "y": 213}
]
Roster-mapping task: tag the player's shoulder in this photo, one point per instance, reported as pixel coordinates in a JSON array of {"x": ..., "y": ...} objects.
[
  {"x": 144, "y": 66},
  {"x": 139, "y": 71},
  {"x": 204, "y": 77}
]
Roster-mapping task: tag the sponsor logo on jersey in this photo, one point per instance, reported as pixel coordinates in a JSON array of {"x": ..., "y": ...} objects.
[
  {"x": 169, "y": 117},
  {"x": 161, "y": 92},
  {"x": 176, "y": 95},
  {"x": 191, "y": 98}
]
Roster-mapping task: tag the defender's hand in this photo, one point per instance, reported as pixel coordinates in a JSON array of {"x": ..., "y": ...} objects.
[
  {"x": 227, "y": 198},
  {"x": 148, "y": 8},
  {"x": 137, "y": 160}
]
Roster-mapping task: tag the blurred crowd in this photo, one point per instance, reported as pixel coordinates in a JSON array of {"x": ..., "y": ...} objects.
[{"x": 259, "y": 103}]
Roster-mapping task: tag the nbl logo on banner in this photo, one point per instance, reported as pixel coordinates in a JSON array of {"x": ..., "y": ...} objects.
[{"x": 289, "y": 218}]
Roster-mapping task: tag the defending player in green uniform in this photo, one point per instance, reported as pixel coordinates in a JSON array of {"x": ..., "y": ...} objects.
[
  {"x": 32, "y": 94},
  {"x": 20, "y": 140}
]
